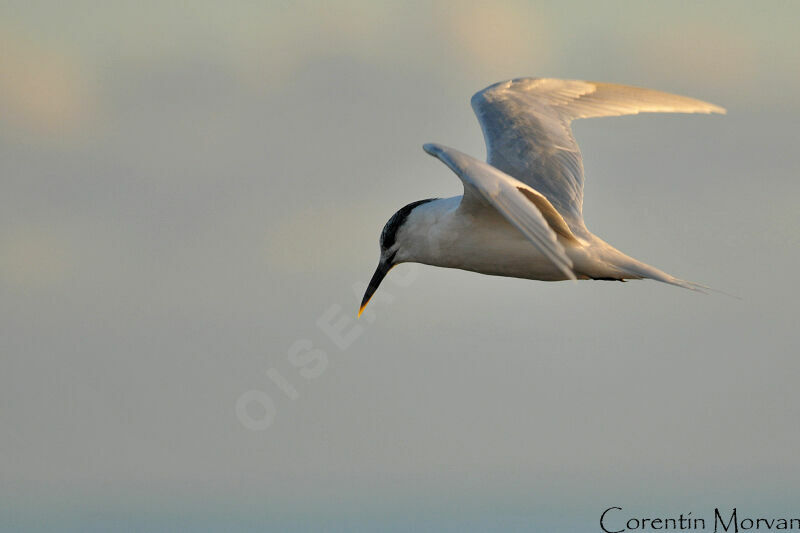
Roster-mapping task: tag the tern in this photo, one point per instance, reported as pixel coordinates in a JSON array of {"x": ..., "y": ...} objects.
[{"x": 521, "y": 214}]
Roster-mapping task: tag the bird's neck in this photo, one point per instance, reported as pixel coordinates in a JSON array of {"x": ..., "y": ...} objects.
[{"x": 430, "y": 230}]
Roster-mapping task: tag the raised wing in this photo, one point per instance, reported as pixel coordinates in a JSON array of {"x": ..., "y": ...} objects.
[
  {"x": 516, "y": 201},
  {"x": 526, "y": 122}
]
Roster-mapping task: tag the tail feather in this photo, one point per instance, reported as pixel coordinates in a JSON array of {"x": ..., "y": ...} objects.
[{"x": 641, "y": 270}]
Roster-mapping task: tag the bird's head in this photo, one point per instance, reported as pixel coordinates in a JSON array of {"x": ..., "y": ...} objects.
[{"x": 393, "y": 248}]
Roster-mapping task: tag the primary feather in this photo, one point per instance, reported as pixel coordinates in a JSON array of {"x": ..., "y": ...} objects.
[{"x": 526, "y": 127}]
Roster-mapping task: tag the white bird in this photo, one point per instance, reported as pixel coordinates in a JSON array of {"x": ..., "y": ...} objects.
[{"x": 521, "y": 212}]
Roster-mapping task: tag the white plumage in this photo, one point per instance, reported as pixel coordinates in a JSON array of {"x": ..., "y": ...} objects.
[{"x": 521, "y": 211}]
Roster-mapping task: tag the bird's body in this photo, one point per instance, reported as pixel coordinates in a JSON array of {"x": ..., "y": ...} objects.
[
  {"x": 444, "y": 235},
  {"x": 441, "y": 234},
  {"x": 521, "y": 211}
]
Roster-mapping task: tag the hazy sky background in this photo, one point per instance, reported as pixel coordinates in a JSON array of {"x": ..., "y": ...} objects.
[{"x": 185, "y": 188}]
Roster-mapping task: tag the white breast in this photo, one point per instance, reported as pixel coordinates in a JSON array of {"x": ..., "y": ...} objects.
[{"x": 441, "y": 235}]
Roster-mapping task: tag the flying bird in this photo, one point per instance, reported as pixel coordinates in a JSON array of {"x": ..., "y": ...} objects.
[{"x": 521, "y": 212}]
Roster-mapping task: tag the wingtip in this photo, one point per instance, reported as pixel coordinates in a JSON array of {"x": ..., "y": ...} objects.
[
  {"x": 564, "y": 264},
  {"x": 432, "y": 148}
]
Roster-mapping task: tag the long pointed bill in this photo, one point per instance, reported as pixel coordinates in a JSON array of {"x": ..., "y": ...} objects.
[{"x": 377, "y": 277}]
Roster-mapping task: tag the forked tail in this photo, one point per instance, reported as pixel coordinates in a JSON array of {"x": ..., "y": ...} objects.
[
  {"x": 639, "y": 270},
  {"x": 644, "y": 271}
]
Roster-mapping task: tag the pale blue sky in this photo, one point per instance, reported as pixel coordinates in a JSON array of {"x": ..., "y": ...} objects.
[{"x": 187, "y": 190}]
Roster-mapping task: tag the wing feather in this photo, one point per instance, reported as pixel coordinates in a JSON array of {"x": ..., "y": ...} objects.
[
  {"x": 505, "y": 194},
  {"x": 526, "y": 126}
]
